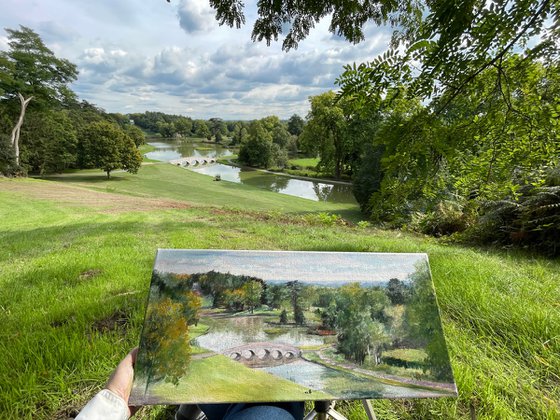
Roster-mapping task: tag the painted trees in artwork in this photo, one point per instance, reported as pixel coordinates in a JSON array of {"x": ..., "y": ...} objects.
[
  {"x": 423, "y": 324},
  {"x": 359, "y": 333},
  {"x": 253, "y": 291},
  {"x": 165, "y": 345},
  {"x": 295, "y": 288},
  {"x": 372, "y": 324}
]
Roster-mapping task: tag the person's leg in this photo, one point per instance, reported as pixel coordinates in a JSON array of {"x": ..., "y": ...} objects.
[{"x": 272, "y": 411}]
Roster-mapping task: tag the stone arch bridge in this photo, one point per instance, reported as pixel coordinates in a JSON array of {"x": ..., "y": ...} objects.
[
  {"x": 263, "y": 354},
  {"x": 192, "y": 161}
]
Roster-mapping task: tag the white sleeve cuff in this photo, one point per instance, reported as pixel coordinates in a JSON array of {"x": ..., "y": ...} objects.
[{"x": 105, "y": 405}]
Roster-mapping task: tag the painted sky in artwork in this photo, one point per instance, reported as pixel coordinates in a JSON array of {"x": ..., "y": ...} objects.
[{"x": 314, "y": 267}]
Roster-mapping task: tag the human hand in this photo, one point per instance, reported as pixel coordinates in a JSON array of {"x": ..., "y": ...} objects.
[{"x": 120, "y": 381}]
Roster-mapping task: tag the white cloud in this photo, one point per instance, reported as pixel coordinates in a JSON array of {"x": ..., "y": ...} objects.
[
  {"x": 3, "y": 43},
  {"x": 196, "y": 16},
  {"x": 175, "y": 58}
]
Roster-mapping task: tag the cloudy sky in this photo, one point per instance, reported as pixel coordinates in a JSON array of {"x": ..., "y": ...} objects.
[
  {"x": 138, "y": 55},
  {"x": 314, "y": 267}
]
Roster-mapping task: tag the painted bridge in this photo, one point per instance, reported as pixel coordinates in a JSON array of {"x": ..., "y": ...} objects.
[
  {"x": 263, "y": 354},
  {"x": 192, "y": 161}
]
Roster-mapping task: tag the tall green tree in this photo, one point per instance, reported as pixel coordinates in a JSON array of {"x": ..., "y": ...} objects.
[
  {"x": 107, "y": 147},
  {"x": 49, "y": 142},
  {"x": 32, "y": 75},
  {"x": 295, "y": 125},
  {"x": 253, "y": 291},
  {"x": 325, "y": 133}
]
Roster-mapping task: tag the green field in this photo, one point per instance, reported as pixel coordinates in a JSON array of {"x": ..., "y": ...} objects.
[
  {"x": 167, "y": 181},
  {"x": 77, "y": 254},
  {"x": 218, "y": 378},
  {"x": 304, "y": 162}
]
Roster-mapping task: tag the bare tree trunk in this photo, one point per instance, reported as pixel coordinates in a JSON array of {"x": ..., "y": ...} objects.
[{"x": 17, "y": 128}]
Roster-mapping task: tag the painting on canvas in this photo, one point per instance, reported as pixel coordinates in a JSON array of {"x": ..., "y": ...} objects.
[{"x": 255, "y": 326}]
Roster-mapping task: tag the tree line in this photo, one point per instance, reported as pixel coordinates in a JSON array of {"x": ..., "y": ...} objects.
[
  {"x": 44, "y": 128},
  {"x": 454, "y": 128}
]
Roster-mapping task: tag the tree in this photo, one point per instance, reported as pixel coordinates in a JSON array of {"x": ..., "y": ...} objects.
[
  {"x": 284, "y": 317},
  {"x": 107, "y": 147},
  {"x": 184, "y": 126},
  {"x": 8, "y": 165},
  {"x": 347, "y": 18},
  {"x": 32, "y": 73},
  {"x": 136, "y": 134},
  {"x": 329, "y": 316},
  {"x": 423, "y": 323},
  {"x": 454, "y": 41},
  {"x": 257, "y": 150},
  {"x": 296, "y": 288},
  {"x": 299, "y": 316},
  {"x": 325, "y": 133},
  {"x": 217, "y": 128},
  {"x": 359, "y": 335},
  {"x": 201, "y": 130},
  {"x": 165, "y": 344},
  {"x": 369, "y": 176},
  {"x": 295, "y": 125},
  {"x": 276, "y": 295},
  {"x": 397, "y": 292},
  {"x": 253, "y": 291},
  {"x": 49, "y": 142}
]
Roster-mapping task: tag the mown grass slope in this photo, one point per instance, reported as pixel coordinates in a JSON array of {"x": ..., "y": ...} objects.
[{"x": 75, "y": 270}]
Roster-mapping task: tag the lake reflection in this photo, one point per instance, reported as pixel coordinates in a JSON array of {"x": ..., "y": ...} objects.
[
  {"x": 234, "y": 332},
  {"x": 177, "y": 148},
  {"x": 311, "y": 190}
]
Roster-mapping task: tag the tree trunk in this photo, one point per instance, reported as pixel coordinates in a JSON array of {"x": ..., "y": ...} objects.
[{"x": 16, "y": 131}]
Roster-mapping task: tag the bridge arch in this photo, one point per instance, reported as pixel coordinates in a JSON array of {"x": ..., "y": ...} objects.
[{"x": 263, "y": 354}]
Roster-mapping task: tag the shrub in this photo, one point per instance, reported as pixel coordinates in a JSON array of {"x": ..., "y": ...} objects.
[
  {"x": 446, "y": 218},
  {"x": 530, "y": 219}
]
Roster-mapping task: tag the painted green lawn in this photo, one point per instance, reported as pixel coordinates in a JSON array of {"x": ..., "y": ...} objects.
[
  {"x": 74, "y": 276},
  {"x": 220, "y": 379}
]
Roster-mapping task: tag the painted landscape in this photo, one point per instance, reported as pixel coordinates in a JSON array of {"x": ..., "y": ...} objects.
[{"x": 227, "y": 326}]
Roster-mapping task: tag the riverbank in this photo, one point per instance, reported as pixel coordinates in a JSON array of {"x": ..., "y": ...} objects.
[
  {"x": 230, "y": 161},
  {"x": 77, "y": 257}
]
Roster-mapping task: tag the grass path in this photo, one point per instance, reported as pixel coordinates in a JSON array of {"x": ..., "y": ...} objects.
[{"x": 75, "y": 266}]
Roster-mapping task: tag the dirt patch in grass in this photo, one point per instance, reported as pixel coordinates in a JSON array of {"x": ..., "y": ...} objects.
[
  {"x": 71, "y": 195},
  {"x": 117, "y": 320},
  {"x": 89, "y": 274},
  {"x": 67, "y": 413}
]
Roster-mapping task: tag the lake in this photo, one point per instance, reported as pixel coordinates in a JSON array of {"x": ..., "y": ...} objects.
[
  {"x": 237, "y": 331},
  {"x": 170, "y": 149}
]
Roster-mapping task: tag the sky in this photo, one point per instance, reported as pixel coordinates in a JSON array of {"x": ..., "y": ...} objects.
[
  {"x": 139, "y": 55},
  {"x": 313, "y": 267}
]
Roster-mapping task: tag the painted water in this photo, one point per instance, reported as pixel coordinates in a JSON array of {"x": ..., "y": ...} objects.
[
  {"x": 312, "y": 190},
  {"x": 238, "y": 331}
]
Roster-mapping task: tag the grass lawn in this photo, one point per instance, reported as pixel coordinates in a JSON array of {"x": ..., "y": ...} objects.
[
  {"x": 304, "y": 162},
  {"x": 75, "y": 269},
  {"x": 168, "y": 181}
]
